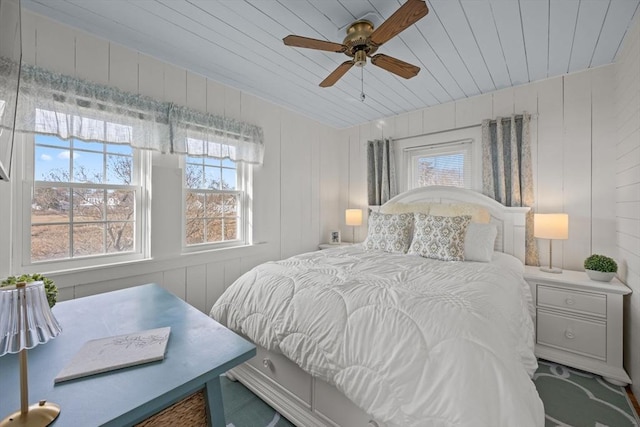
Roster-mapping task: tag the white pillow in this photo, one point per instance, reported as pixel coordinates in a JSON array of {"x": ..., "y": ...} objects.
[
  {"x": 479, "y": 242},
  {"x": 388, "y": 232},
  {"x": 477, "y": 212},
  {"x": 398, "y": 208},
  {"x": 439, "y": 237}
]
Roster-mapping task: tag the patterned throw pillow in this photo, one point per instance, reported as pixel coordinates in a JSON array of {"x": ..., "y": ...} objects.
[
  {"x": 389, "y": 232},
  {"x": 439, "y": 237}
]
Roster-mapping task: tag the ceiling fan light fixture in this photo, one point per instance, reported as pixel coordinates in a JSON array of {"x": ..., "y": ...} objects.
[{"x": 360, "y": 58}]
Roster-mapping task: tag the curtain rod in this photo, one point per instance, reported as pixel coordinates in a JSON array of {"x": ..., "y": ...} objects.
[
  {"x": 433, "y": 133},
  {"x": 533, "y": 116}
]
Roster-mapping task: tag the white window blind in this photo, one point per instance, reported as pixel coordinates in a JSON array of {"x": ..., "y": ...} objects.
[{"x": 443, "y": 164}]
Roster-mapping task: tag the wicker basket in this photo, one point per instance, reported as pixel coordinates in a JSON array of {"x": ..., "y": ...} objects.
[{"x": 189, "y": 412}]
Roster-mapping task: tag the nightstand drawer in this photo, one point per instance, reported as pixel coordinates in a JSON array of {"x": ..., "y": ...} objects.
[
  {"x": 586, "y": 337},
  {"x": 584, "y": 302}
]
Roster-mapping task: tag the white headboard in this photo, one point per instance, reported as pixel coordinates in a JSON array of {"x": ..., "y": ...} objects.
[{"x": 511, "y": 221}]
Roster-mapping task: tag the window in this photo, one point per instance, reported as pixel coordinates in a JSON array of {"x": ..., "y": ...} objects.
[
  {"x": 215, "y": 201},
  {"x": 86, "y": 200},
  {"x": 442, "y": 164}
]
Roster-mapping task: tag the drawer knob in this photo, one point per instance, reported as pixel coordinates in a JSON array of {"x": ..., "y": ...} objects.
[
  {"x": 570, "y": 301},
  {"x": 267, "y": 364},
  {"x": 569, "y": 334}
]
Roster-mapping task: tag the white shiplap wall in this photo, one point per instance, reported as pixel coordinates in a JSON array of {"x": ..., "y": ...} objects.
[
  {"x": 628, "y": 190},
  {"x": 294, "y": 206},
  {"x": 572, "y": 137}
]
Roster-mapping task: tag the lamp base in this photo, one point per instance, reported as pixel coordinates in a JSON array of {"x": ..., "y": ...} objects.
[
  {"x": 40, "y": 414},
  {"x": 556, "y": 270}
]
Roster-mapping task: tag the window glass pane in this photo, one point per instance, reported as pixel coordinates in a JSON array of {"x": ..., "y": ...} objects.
[
  {"x": 230, "y": 205},
  {"x": 51, "y": 140},
  {"x": 50, "y": 205},
  {"x": 230, "y": 228},
  {"x": 51, "y": 164},
  {"x": 228, "y": 163},
  {"x": 228, "y": 179},
  {"x": 120, "y": 237},
  {"x": 121, "y": 205},
  {"x": 195, "y": 231},
  {"x": 214, "y": 205},
  {"x": 214, "y": 230},
  {"x": 195, "y": 204},
  {"x": 441, "y": 170},
  {"x": 88, "y": 205},
  {"x": 88, "y": 167},
  {"x": 120, "y": 149},
  {"x": 49, "y": 242},
  {"x": 119, "y": 169},
  {"x": 212, "y": 178},
  {"x": 193, "y": 176},
  {"x": 211, "y": 161},
  {"x": 88, "y": 239},
  {"x": 89, "y": 146}
]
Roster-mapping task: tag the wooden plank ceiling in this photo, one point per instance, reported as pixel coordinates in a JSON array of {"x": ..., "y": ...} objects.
[{"x": 463, "y": 47}]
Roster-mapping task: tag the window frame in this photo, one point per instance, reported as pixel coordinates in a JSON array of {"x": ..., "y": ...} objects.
[
  {"x": 463, "y": 146},
  {"x": 244, "y": 187},
  {"x": 471, "y": 132},
  {"x": 24, "y": 191}
]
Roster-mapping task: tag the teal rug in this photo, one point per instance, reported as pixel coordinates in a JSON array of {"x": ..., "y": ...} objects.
[
  {"x": 579, "y": 399},
  {"x": 572, "y": 398},
  {"x": 242, "y": 408}
]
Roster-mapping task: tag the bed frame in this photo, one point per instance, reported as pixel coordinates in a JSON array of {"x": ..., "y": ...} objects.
[{"x": 309, "y": 402}]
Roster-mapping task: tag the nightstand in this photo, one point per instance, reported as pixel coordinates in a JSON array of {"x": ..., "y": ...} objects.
[
  {"x": 579, "y": 321},
  {"x": 322, "y": 246}
]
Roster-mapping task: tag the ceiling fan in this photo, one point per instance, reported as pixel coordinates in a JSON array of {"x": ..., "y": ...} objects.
[{"x": 363, "y": 40}]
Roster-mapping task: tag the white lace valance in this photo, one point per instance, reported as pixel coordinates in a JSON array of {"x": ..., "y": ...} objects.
[
  {"x": 201, "y": 134},
  {"x": 67, "y": 107}
]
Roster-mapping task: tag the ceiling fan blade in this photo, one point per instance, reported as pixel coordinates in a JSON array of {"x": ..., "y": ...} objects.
[
  {"x": 408, "y": 14},
  {"x": 394, "y": 65},
  {"x": 306, "y": 42},
  {"x": 337, "y": 73}
]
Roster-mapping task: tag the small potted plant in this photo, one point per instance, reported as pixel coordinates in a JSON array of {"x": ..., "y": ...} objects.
[
  {"x": 49, "y": 286},
  {"x": 600, "y": 268}
]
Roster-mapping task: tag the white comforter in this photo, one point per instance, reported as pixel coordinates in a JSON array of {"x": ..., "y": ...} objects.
[{"x": 412, "y": 341}]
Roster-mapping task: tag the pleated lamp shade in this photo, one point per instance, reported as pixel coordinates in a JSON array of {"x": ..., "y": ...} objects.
[{"x": 41, "y": 325}]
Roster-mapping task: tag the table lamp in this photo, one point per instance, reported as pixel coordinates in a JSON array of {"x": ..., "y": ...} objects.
[
  {"x": 353, "y": 218},
  {"x": 26, "y": 320},
  {"x": 552, "y": 227}
]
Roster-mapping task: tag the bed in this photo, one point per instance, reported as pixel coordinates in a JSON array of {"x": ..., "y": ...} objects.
[{"x": 371, "y": 335}]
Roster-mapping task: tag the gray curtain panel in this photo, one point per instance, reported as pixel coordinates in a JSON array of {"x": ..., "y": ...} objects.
[
  {"x": 381, "y": 171},
  {"x": 507, "y": 171}
]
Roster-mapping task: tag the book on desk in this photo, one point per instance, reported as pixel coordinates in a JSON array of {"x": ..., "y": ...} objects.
[{"x": 116, "y": 352}]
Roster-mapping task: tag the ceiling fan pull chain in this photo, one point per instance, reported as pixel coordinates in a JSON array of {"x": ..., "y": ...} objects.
[{"x": 362, "y": 97}]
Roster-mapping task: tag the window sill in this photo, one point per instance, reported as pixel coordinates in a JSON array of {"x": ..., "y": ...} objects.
[{"x": 84, "y": 275}]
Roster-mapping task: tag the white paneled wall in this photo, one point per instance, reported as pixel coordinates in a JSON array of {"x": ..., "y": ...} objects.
[
  {"x": 627, "y": 190},
  {"x": 572, "y": 133},
  {"x": 294, "y": 205}
]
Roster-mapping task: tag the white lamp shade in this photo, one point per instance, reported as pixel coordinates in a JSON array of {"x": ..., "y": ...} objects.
[
  {"x": 353, "y": 217},
  {"x": 551, "y": 226},
  {"x": 41, "y": 325}
]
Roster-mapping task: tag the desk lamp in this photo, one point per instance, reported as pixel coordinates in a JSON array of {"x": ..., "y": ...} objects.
[
  {"x": 353, "y": 218},
  {"x": 552, "y": 227},
  {"x": 26, "y": 320}
]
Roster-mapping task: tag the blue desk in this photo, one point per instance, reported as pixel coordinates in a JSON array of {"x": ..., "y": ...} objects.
[{"x": 199, "y": 350}]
